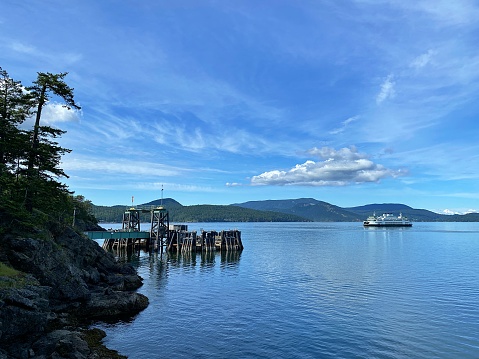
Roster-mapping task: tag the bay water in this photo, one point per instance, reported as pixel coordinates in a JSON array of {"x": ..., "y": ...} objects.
[{"x": 311, "y": 290}]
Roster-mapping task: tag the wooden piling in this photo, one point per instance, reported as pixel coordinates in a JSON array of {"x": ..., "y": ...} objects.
[{"x": 176, "y": 238}]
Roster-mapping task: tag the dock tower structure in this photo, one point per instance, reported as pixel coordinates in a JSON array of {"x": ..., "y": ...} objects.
[
  {"x": 160, "y": 224},
  {"x": 131, "y": 220}
]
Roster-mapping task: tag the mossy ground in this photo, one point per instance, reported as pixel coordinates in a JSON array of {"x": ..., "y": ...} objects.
[
  {"x": 7, "y": 271},
  {"x": 11, "y": 278},
  {"x": 94, "y": 339}
]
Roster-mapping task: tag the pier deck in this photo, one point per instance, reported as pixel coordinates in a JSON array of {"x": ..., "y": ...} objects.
[{"x": 175, "y": 238}]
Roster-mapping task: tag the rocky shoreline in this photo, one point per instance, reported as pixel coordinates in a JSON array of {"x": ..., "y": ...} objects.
[{"x": 62, "y": 282}]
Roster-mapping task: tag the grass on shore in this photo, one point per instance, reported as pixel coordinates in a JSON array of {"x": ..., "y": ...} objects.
[
  {"x": 11, "y": 278},
  {"x": 7, "y": 271}
]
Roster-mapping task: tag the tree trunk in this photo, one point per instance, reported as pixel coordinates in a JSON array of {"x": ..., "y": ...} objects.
[{"x": 33, "y": 150}]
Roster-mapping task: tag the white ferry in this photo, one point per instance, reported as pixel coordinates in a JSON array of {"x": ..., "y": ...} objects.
[{"x": 387, "y": 220}]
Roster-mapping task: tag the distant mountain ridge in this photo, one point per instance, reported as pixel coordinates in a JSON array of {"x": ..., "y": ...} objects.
[
  {"x": 196, "y": 213},
  {"x": 309, "y": 208},
  {"x": 319, "y": 211},
  {"x": 286, "y": 210},
  {"x": 416, "y": 215}
]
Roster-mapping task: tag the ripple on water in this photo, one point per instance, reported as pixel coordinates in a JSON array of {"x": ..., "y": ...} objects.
[{"x": 313, "y": 291}]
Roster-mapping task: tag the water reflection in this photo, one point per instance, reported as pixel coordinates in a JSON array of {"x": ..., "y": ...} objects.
[
  {"x": 126, "y": 254},
  {"x": 381, "y": 229},
  {"x": 230, "y": 259},
  {"x": 156, "y": 265}
]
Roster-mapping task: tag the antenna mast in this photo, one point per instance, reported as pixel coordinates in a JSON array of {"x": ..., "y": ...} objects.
[{"x": 161, "y": 202}]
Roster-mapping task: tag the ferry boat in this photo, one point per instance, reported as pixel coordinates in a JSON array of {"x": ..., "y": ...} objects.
[{"x": 387, "y": 220}]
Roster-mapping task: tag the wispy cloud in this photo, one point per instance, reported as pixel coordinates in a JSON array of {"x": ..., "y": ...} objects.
[
  {"x": 23, "y": 48},
  {"x": 121, "y": 166},
  {"x": 339, "y": 168},
  {"x": 61, "y": 57},
  {"x": 423, "y": 60},
  {"x": 172, "y": 186},
  {"x": 458, "y": 12},
  {"x": 179, "y": 133},
  {"x": 387, "y": 90},
  {"x": 344, "y": 125}
]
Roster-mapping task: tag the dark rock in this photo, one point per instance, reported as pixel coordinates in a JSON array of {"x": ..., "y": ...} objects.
[
  {"x": 22, "y": 316},
  {"x": 116, "y": 305},
  {"x": 67, "y": 280},
  {"x": 62, "y": 344}
]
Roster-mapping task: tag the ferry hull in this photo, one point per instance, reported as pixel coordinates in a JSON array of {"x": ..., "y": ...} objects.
[{"x": 387, "y": 224}]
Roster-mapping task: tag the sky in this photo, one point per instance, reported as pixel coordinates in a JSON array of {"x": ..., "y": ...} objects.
[{"x": 350, "y": 102}]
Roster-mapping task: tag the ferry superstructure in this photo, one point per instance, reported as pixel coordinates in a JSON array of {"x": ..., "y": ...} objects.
[{"x": 387, "y": 220}]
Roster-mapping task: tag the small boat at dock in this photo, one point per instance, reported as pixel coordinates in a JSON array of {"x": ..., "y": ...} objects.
[{"x": 387, "y": 220}]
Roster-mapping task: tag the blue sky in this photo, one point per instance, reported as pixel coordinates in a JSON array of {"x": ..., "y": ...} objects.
[{"x": 218, "y": 102}]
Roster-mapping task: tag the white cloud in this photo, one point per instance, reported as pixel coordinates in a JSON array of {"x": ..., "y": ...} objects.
[
  {"x": 56, "y": 112},
  {"x": 341, "y": 167},
  {"x": 452, "y": 212},
  {"x": 387, "y": 90},
  {"x": 328, "y": 153},
  {"x": 53, "y": 113}
]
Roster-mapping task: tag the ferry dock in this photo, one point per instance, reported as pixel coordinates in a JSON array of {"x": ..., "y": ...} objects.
[{"x": 165, "y": 236}]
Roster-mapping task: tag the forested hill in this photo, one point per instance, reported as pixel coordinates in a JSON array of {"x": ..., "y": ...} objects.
[
  {"x": 309, "y": 208},
  {"x": 417, "y": 215},
  {"x": 320, "y": 211},
  {"x": 197, "y": 213},
  {"x": 291, "y": 210}
]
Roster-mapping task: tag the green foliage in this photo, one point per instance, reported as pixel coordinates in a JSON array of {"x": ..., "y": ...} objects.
[
  {"x": 215, "y": 213},
  {"x": 199, "y": 213},
  {"x": 14, "y": 109},
  {"x": 44, "y": 154},
  {"x": 12, "y": 278},
  {"x": 31, "y": 194},
  {"x": 83, "y": 210},
  {"x": 7, "y": 271}
]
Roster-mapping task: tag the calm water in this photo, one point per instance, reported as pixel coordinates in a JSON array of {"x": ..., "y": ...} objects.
[{"x": 312, "y": 290}]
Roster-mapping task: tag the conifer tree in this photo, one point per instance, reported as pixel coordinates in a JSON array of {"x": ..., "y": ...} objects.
[
  {"x": 44, "y": 155},
  {"x": 14, "y": 109}
]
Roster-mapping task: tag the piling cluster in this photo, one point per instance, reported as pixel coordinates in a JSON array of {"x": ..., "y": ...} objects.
[
  {"x": 185, "y": 241},
  {"x": 174, "y": 238}
]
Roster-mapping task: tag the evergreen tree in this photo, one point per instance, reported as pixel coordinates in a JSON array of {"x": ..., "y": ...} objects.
[
  {"x": 44, "y": 155},
  {"x": 15, "y": 107},
  {"x": 29, "y": 160}
]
